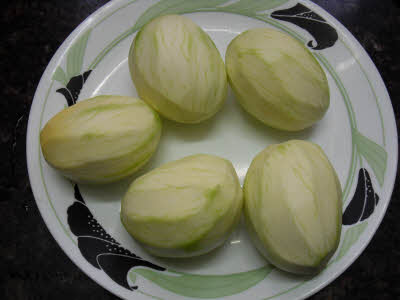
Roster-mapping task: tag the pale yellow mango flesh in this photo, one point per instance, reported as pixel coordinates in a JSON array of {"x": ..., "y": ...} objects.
[
  {"x": 187, "y": 205},
  {"x": 101, "y": 139},
  {"x": 293, "y": 206}
]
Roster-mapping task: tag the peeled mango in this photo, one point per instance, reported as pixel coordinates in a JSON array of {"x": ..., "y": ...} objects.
[
  {"x": 276, "y": 79},
  {"x": 101, "y": 139},
  {"x": 293, "y": 206},
  {"x": 184, "y": 208},
  {"x": 177, "y": 69}
]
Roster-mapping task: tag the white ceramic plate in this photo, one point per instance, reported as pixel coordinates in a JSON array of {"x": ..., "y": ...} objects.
[{"x": 358, "y": 134}]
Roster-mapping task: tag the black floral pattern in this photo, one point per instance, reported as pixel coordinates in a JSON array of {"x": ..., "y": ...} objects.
[
  {"x": 324, "y": 34},
  {"x": 364, "y": 201},
  {"x": 99, "y": 248},
  {"x": 73, "y": 88}
]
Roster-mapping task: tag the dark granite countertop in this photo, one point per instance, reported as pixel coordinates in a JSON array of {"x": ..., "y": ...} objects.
[{"x": 33, "y": 266}]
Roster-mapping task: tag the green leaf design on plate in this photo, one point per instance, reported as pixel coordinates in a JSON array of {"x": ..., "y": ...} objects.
[
  {"x": 350, "y": 237},
  {"x": 165, "y": 7},
  {"x": 251, "y": 8},
  {"x": 243, "y": 7},
  {"x": 132, "y": 277},
  {"x": 375, "y": 155},
  {"x": 60, "y": 76},
  {"x": 75, "y": 55},
  {"x": 204, "y": 286}
]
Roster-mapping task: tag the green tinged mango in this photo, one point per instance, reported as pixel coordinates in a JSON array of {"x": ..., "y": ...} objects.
[
  {"x": 276, "y": 79},
  {"x": 293, "y": 206},
  {"x": 185, "y": 207},
  {"x": 102, "y": 139},
  {"x": 177, "y": 69}
]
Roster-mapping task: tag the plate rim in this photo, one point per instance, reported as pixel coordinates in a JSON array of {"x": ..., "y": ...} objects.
[{"x": 85, "y": 24}]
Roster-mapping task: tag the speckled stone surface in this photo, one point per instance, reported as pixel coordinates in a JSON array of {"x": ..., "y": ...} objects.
[{"x": 33, "y": 266}]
